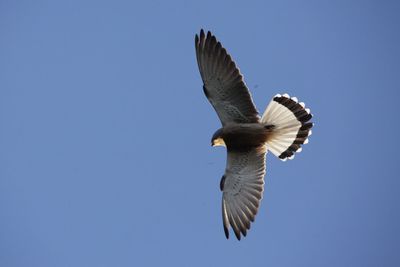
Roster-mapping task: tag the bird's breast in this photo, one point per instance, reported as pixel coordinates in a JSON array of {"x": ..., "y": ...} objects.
[{"x": 244, "y": 136}]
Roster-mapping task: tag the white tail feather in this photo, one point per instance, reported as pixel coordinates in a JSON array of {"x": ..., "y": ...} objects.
[{"x": 290, "y": 129}]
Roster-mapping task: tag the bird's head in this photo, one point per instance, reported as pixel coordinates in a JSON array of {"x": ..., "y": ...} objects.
[{"x": 217, "y": 139}]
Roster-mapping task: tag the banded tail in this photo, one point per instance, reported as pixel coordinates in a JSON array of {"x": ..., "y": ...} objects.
[{"x": 291, "y": 128}]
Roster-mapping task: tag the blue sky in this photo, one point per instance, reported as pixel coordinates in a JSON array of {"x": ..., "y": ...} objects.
[{"x": 105, "y": 156}]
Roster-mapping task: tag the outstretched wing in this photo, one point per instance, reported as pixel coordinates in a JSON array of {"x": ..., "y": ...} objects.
[
  {"x": 242, "y": 186},
  {"x": 223, "y": 83}
]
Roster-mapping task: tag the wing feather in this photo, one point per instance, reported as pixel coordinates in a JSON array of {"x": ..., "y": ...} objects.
[
  {"x": 223, "y": 83},
  {"x": 242, "y": 190}
]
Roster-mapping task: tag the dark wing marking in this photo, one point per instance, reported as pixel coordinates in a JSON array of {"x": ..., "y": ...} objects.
[
  {"x": 242, "y": 188},
  {"x": 223, "y": 83}
]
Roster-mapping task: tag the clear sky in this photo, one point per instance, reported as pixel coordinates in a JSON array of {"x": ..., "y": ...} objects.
[{"x": 105, "y": 156}]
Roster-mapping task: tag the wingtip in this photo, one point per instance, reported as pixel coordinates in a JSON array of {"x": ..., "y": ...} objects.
[
  {"x": 237, "y": 234},
  {"x": 202, "y": 35},
  {"x": 244, "y": 232},
  {"x": 226, "y": 231}
]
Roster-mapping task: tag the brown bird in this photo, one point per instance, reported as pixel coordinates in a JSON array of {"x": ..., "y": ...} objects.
[{"x": 282, "y": 129}]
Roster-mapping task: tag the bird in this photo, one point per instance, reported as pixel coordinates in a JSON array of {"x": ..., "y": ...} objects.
[{"x": 282, "y": 130}]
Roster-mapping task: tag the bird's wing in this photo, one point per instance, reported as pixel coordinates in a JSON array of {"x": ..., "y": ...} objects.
[
  {"x": 242, "y": 186},
  {"x": 223, "y": 83}
]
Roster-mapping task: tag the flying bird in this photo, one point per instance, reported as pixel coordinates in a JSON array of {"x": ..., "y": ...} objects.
[{"x": 282, "y": 129}]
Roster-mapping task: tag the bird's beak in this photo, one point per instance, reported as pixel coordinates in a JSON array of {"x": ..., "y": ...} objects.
[{"x": 218, "y": 142}]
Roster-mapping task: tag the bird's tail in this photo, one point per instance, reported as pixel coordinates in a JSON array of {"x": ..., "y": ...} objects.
[{"x": 288, "y": 121}]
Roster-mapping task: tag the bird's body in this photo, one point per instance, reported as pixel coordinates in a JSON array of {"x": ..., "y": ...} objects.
[
  {"x": 282, "y": 129},
  {"x": 245, "y": 136}
]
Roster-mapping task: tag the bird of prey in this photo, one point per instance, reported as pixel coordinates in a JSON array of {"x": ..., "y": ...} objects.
[{"x": 282, "y": 129}]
